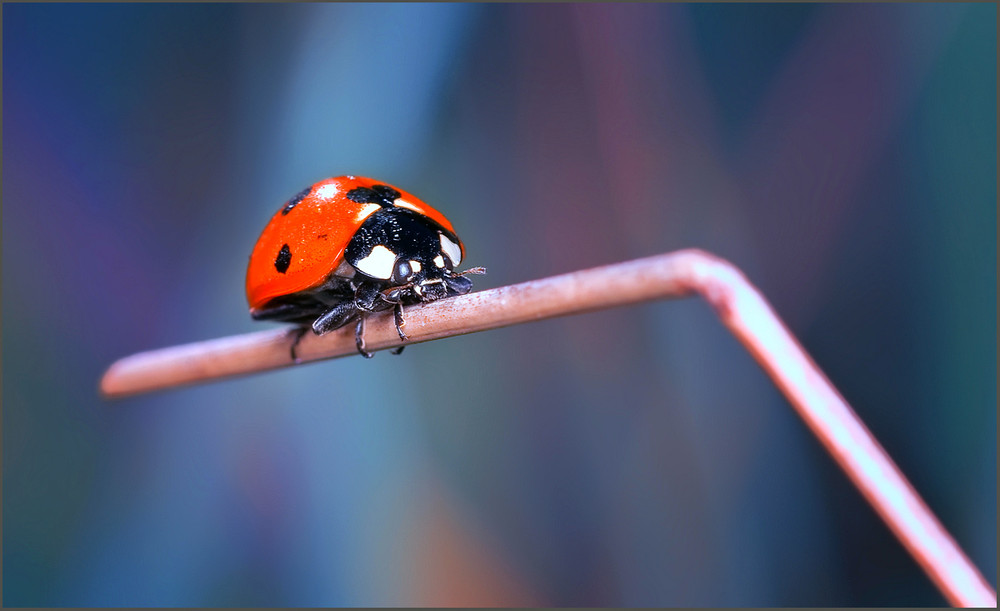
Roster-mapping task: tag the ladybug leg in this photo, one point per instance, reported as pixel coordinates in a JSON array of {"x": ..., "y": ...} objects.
[
  {"x": 334, "y": 318},
  {"x": 365, "y": 296},
  {"x": 298, "y": 333},
  {"x": 394, "y": 298},
  {"x": 359, "y": 338},
  {"x": 364, "y": 301},
  {"x": 398, "y": 316}
]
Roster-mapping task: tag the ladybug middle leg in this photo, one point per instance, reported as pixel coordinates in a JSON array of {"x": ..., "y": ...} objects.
[
  {"x": 366, "y": 296},
  {"x": 334, "y": 318}
]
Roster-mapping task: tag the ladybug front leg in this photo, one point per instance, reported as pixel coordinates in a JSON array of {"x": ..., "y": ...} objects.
[
  {"x": 359, "y": 338},
  {"x": 398, "y": 315},
  {"x": 395, "y": 297},
  {"x": 368, "y": 297},
  {"x": 364, "y": 301}
]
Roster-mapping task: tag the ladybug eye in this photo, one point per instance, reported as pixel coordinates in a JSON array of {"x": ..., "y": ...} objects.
[
  {"x": 406, "y": 271},
  {"x": 403, "y": 271}
]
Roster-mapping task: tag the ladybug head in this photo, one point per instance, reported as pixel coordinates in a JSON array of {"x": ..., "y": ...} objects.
[
  {"x": 431, "y": 288},
  {"x": 409, "y": 253},
  {"x": 429, "y": 275}
]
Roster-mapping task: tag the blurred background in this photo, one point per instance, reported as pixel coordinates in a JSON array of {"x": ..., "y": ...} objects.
[{"x": 843, "y": 156}]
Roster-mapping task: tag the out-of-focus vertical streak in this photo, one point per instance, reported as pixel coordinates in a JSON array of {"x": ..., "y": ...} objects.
[
  {"x": 653, "y": 112},
  {"x": 819, "y": 131},
  {"x": 634, "y": 107},
  {"x": 611, "y": 41}
]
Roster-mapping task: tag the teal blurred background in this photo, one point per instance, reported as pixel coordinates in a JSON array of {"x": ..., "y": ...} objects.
[{"x": 843, "y": 155}]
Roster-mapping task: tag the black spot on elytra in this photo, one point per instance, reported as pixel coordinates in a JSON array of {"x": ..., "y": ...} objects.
[
  {"x": 383, "y": 195},
  {"x": 295, "y": 200},
  {"x": 283, "y": 260},
  {"x": 321, "y": 236}
]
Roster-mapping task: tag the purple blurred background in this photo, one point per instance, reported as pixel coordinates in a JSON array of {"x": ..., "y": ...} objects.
[{"x": 844, "y": 156}]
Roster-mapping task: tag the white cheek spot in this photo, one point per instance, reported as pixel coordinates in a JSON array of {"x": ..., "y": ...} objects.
[
  {"x": 366, "y": 211},
  {"x": 327, "y": 191},
  {"x": 402, "y": 203},
  {"x": 453, "y": 250},
  {"x": 415, "y": 266},
  {"x": 378, "y": 263},
  {"x": 439, "y": 261}
]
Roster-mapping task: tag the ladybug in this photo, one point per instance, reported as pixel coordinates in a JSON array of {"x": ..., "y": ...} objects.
[{"x": 349, "y": 246}]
